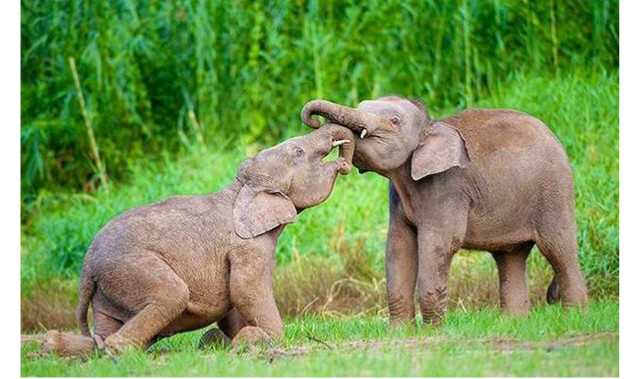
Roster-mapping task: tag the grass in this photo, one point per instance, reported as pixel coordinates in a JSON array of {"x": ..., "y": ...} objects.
[
  {"x": 551, "y": 341},
  {"x": 159, "y": 74}
]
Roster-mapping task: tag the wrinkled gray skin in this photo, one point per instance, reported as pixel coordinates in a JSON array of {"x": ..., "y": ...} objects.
[
  {"x": 187, "y": 262},
  {"x": 483, "y": 179}
]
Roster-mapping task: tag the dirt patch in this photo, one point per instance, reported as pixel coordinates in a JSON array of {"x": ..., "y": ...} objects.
[
  {"x": 508, "y": 345},
  {"x": 503, "y": 345}
]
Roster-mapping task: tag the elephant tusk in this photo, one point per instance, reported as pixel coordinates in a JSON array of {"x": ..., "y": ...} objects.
[
  {"x": 340, "y": 142},
  {"x": 363, "y": 133}
]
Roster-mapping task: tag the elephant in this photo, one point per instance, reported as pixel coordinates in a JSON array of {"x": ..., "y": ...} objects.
[
  {"x": 189, "y": 261},
  {"x": 496, "y": 180}
]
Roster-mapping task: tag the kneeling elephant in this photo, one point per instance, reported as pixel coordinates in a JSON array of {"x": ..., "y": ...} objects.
[{"x": 187, "y": 262}]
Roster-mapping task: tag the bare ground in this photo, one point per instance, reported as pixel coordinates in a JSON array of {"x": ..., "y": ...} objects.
[{"x": 503, "y": 345}]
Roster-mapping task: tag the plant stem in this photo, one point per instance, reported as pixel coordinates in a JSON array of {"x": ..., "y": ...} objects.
[
  {"x": 467, "y": 54},
  {"x": 554, "y": 34},
  {"x": 102, "y": 174}
]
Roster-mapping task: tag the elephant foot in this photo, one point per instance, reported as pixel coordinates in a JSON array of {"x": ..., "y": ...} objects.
[
  {"x": 515, "y": 303},
  {"x": 553, "y": 292},
  {"x": 433, "y": 318},
  {"x": 249, "y": 336},
  {"x": 434, "y": 306},
  {"x": 116, "y": 344},
  {"x": 66, "y": 345},
  {"x": 517, "y": 311},
  {"x": 213, "y": 338},
  {"x": 575, "y": 295},
  {"x": 580, "y": 302},
  {"x": 401, "y": 311}
]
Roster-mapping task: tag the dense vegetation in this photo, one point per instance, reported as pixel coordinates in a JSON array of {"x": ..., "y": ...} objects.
[
  {"x": 178, "y": 93},
  {"x": 158, "y": 76}
]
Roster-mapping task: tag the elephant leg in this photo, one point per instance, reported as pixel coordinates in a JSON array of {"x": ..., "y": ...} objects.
[
  {"x": 66, "y": 344},
  {"x": 402, "y": 271},
  {"x": 104, "y": 326},
  {"x": 434, "y": 261},
  {"x": 142, "y": 329},
  {"x": 432, "y": 284},
  {"x": 229, "y": 326},
  {"x": 232, "y": 323},
  {"x": 567, "y": 283},
  {"x": 251, "y": 292},
  {"x": 438, "y": 241},
  {"x": 557, "y": 241},
  {"x": 512, "y": 272},
  {"x": 556, "y": 236},
  {"x": 249, "y": 335},
  {"x": 156, "y": 294},
  {"x": 213, "y": 337},
  {"x": 553, "y": 292}
]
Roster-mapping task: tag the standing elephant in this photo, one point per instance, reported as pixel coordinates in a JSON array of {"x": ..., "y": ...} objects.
[
  {"x": 483, "y": 179},
  {"x": 187, "y": 262}
]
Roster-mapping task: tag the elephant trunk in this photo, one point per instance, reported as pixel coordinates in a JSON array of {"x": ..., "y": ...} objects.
[
  {"x": 353, "y": 119},
  {"x": 343, "y": 138}
]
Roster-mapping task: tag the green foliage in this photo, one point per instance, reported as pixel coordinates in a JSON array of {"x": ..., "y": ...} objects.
[
  {"x": 159, "y": 74},
  {"x": 552, "y": 341}
]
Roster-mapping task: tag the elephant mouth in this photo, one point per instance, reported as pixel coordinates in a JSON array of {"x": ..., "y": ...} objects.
[{"x": 336, "y": 144}]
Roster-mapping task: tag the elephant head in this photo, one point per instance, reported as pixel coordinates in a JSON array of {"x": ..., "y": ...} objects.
[
  {"x": 285, "y": 179},
  {"x": 393, "y": 130}
]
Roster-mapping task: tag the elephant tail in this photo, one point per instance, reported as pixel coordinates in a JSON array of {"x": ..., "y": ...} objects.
[
  {"x": 85, "y": 294},
  {"x": 553, "y": 292}
]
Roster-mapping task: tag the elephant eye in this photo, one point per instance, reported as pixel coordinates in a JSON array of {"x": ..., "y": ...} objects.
[
  {"x": 395, "y": 120},
  {"x": 298, "y": 152}
]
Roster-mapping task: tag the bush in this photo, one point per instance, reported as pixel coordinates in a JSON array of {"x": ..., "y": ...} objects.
[{"x": 156, "y": 75}]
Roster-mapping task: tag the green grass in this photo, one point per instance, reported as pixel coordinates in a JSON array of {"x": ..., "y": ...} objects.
[{"x": 551, "y": 341}]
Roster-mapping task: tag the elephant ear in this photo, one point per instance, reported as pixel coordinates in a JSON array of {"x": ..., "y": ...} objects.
[
  {"x": 258, "y": 210},
  {"x": 443, "y": 148}
]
